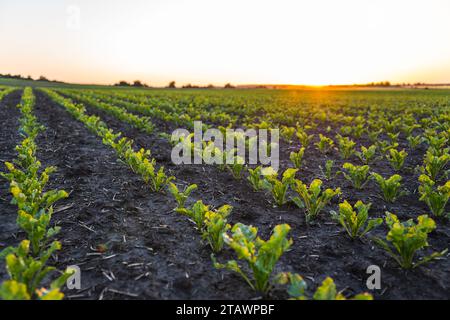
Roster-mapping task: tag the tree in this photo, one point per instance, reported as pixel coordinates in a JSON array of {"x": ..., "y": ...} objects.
[
  {"x": 229, "y": 86},
  {"x": 171, "y": 85},
  {"x": 122, "y": 84},
  {"x": 137, "y": 83},
  {"x": 42, "y": 78}
]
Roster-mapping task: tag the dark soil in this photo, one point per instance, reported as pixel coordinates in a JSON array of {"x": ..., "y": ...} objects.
[{"x": 155, "y": 253}]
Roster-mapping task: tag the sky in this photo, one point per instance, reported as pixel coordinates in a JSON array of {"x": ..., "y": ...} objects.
[{"x": 218, "y": 41}]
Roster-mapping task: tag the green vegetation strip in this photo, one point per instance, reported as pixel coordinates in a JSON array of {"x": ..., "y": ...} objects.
[
  {"x": 28, "y": 263},
  {"x": 5, "y": 91}
]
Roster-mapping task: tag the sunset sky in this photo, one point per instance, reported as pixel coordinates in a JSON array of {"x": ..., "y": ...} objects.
[{"x": 219, "y": 41}]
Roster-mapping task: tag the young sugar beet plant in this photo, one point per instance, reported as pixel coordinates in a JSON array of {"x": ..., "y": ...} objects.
[
  {"x": 373, "y": 135},
  {"x": 255, "y": 178},
  {"x": 433, "y": 165},
  {"x": 312, "y": 198},
  {"x": 391, "y": 187},
  {"x": 35, "y": 207},
  {"x": 357, "y": 175},
  {"x": 237, "y": 167},
  {"x": 215, "y": 226},
  {"x": 397, "y": 158},
  {"x": 304, "y": 138},
  {"x": 325, "y": 144},
  {"x": 346, "y": 146},
  {"x": 196, "y": 213},
  {"x": 212, "y": 224},
  {"x": 385, "y": 146},
  {"x": 181, "y": 196},
  {"x": 405, "y": 239},
  {"x": 436, "y": 198},
  {"x": 414, "y": 141},
  {"x": 27, "y": 274},
  {"x": 297, "y": 157},
  {"x": 355, "y": 222},
  {"x": 367, "y": 155},
  {"x": 277, "y": 187},
  {"x": 141, "y": 163},
  {"x": 287, "y": 133},
  {"x": 327, "y": 171},
  {"x": 259, "y": 255}
]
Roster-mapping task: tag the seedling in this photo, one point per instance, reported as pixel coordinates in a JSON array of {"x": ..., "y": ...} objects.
[
  {"x": 215, "y": 225},
  {"x": 325, "y": 144},
  {"x": 297, "y": 157},
  {"x": 312, "y": 198},
  {"x": 367, "y": 155},
  {"x": 405, "y": 239},
  {"x": 261, "y": 256},
  {"x": 435, "y": 198},
  {"x": 357, "y": 175},
  {"x": 181, "y": 196},
  {"x": 278, "y": 187},
  {"x": 397, "y": 158},
  {"x": 356, "y": 223},
  {"x": 346, "y": 146},
  {"x": 389, "y": 187}
]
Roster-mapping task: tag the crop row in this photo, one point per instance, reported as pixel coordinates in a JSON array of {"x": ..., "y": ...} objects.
[
  {"x": 5, "y": 91},
  {"x": 28, "y": 263}
]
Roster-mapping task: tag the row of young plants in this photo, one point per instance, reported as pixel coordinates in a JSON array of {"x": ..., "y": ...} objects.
[
  {"x": 140, "y": 161},
  {"x": 159, "y": 110},
  {"x": 142, "y": 123},
  {"x": 259, "y": 255},
  {"x": 5, "y": 91},
  {"x": 28, "y": 264},
  {"x": 176, "y": 109}
]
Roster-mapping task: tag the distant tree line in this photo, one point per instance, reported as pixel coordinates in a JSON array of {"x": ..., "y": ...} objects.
[
  {"x": 136, "y": 83},
  {"x": 209, "y": 86},
  {"x": 379, "y": 84},
  {"x": 15, "y": 76},
  {"x": 20, "y": 77},
  {"x": 170, "y": 85}
]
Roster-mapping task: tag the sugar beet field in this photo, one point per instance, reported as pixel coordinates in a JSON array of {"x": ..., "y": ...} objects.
[{"x": 88, "y": 181}]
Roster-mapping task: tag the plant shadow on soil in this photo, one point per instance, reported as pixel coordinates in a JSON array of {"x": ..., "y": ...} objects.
[{"x": 152, "y": 252}]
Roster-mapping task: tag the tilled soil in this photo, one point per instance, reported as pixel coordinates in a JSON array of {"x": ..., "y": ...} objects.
[{"x": 152, "y": 252}]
